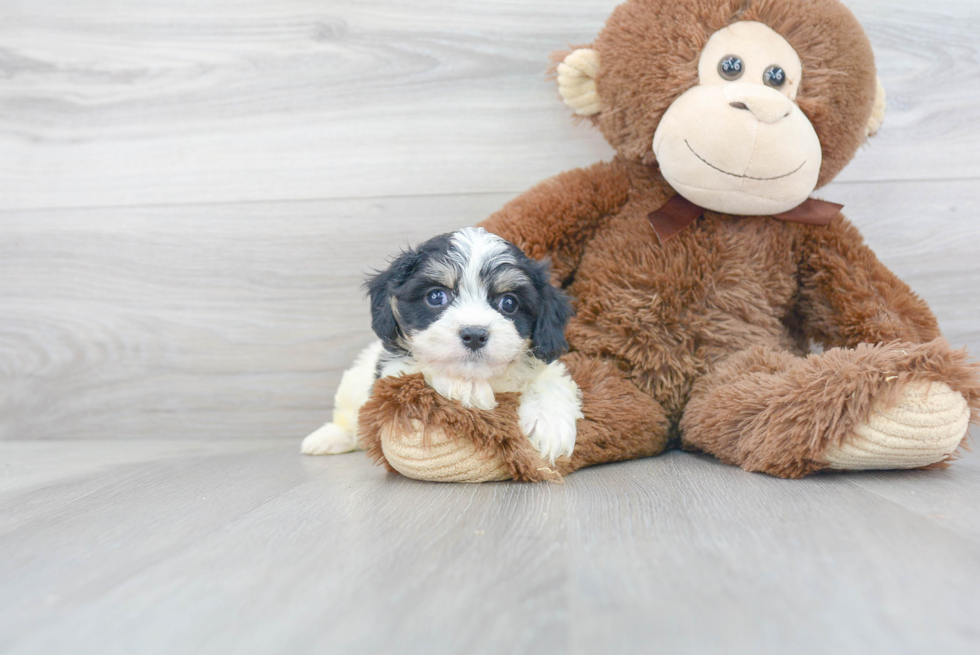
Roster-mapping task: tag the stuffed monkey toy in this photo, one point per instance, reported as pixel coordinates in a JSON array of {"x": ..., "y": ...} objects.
[{"x": 701, "y": 270}]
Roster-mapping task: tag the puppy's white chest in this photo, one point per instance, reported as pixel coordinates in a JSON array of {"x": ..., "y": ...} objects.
[
  {"x": 475, "y": 392},
  {"x": 478, "y": 394}
]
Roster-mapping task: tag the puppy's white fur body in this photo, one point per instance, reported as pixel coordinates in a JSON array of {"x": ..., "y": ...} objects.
[
  {"x": 340, "y": 435},
  {"x": 550, "y": 400}
]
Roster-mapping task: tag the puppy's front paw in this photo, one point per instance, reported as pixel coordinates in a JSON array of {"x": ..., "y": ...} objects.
[
  {"x": 331, "y": 439},
  {"x": 548, "y": 412},
  {"x": 551, "y": 435}
]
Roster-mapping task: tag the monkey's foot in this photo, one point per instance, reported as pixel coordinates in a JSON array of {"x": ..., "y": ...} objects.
[
  {"x": 432, "y": 455},
  {"x": 924, "y": 426}
]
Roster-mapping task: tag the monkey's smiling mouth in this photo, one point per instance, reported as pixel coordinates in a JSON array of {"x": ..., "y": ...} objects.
[{"x": 746, "y": 177}]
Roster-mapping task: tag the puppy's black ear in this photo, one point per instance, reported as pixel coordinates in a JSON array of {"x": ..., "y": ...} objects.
[
  {"x": 554, "y": 309},
  {"x": 381, "y": 290}
]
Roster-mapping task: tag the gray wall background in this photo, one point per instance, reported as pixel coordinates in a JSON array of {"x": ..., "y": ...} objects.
[{"x": 191, "y": 192}]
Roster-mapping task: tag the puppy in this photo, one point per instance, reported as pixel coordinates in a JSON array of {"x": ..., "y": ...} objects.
[{"x": 476, "y": 316}]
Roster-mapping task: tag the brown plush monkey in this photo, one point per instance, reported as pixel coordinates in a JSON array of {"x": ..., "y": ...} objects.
[{"x": 701, "y": 270}]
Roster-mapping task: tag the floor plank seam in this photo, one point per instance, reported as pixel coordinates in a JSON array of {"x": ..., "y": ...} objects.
[{"x": 393, "y": 196}]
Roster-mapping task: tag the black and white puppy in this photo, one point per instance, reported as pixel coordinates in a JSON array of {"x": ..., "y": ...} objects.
[{"x": 476, "y": 316}]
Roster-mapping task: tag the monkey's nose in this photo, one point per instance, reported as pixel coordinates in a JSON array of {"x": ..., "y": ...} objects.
[
  {"x": 474, "y": 337},
  {"x": 767, "y": 105}
]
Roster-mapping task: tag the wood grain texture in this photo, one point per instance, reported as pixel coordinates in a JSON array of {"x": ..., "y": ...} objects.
[
  {"x": 203, "y": 321},
  {"x": 191, "y": 193},
  {"x": 224, "y": 101},
  {"x": 161, "y": 274},
  {"x": 244, "y": 547},
  {"x": 237, "y": 320}
]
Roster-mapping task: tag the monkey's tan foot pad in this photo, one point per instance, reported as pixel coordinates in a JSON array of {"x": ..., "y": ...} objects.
[
  {"x": 923, "y": 427},
  {"x": 436, "y": 457}
]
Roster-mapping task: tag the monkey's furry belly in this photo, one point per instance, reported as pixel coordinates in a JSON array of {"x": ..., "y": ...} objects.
[{"x": 669, "y": 313}]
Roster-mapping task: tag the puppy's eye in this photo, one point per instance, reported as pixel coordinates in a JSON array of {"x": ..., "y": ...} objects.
[
  {"x": 436, "y": 298},
  {"x": 731, "y": 67},
  {"x": 774, "y": 76},
  {"x": 507, "y": 303}
]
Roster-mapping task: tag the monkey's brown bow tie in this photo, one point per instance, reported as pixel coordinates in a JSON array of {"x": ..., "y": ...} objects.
[{"x": 679, "y": 212}]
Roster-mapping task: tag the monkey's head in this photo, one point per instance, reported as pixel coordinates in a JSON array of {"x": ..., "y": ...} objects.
[{"x": 746, "y": 106}]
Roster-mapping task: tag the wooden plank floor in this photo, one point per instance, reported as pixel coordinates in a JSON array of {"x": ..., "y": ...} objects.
[
  {"x": 244, "y": 547},
  {"x": 191, "y": 193},
  {"x": 205, "y": 101},
  {"x": 237, "y": 320}
]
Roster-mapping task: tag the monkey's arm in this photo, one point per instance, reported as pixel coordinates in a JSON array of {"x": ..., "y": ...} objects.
[
  {"x": 559, "y": 216},
  {"x": 848, "y": 297}
]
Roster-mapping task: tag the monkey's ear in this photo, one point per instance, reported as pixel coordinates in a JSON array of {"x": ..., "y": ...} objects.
[
  {"x": 576, "y": 81},
  {"x": 878, "y": 113}
]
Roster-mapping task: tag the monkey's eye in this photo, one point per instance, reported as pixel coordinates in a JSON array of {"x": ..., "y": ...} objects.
[
  {"x": 437, "y": 297},
  {"x": 507, "y": 303},
  {"x": 774, "y": 76},
  {"x": 731, "y": 67}
]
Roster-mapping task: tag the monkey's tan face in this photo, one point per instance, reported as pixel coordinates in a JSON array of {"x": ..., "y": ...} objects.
[{"x": 737, "y": 142}]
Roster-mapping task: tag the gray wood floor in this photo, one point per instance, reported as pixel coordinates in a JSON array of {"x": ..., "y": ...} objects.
[
  {"x": 244, "y": 547},
  {"x": 190, "y": 195},
  {"x": 220, "y": 547},
  {"x": 192, "y": 191}
]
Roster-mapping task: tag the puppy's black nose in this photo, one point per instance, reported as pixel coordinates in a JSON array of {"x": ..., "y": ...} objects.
[{"x": 474, "y": 337}]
